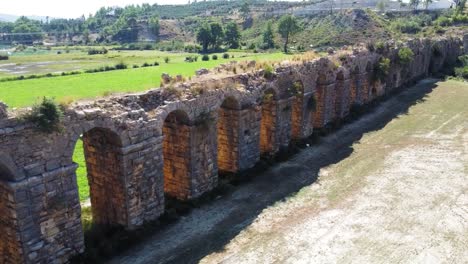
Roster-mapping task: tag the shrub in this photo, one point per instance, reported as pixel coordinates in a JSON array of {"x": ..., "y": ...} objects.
[
  {"x": 268, "y": 72},
  {"x": 381, "y": 70},
  {"x": 97, "y": 51},
  {"x": 462, "y": 72},
  {"x": 120, "y": 66},
  {"x": 47, "y": 115},
  {"x": 463, "y": 60},
  {"x": 145, "y": 64},
  {"x": 444, "y": 21},
  {"x": 136, "y": 66},
  {"x": 380, "y": 47},
  {"x": 225, "y": 56},
  {"x": 205, "y": 58},
  {"x": 407, "y": 26},
  {"x": 4, "y": 57},
  {"x": 214, "y": 57},
  {"x": 405, "y": 55},
  {"x": 156, "y": 63},
  {"x": 166, "y": 59}
]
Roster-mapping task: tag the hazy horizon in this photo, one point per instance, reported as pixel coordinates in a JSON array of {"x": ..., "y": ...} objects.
[{"x": 70, "y": 9}]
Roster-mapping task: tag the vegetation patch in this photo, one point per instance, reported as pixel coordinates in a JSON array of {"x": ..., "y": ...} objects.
[
  {"x": 47, "y": 115},
  {"x": 405, "y": 56},
  {"x": 381, "y": 70}
]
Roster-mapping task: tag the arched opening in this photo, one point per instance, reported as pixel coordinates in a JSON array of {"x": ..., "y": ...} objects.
[
  {"x": 228, "y": 128},
  {"x": 10, "y": 249},
  {"x": 268, "y": 122},
  {"x": 100, "y": 177},
  {"x": 298, "y": 113},
  {"x": 177, "y": 155}
]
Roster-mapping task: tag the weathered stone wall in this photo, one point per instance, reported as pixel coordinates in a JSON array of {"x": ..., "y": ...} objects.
[{"x": 135, "y": 153}]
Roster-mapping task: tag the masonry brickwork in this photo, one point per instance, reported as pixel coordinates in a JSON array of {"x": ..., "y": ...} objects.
[{"x": 139, "y": 147}]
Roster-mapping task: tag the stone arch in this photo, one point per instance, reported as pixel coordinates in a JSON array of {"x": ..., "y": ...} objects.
[
  {"x": 106, "y": 176},
  {"x": 268, "y": 142},
  {"x": 176, "y": 154}
]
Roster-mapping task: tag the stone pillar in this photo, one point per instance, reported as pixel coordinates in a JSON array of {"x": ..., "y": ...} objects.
[
  {"x": 11, "y": 250},
  {"x": 365, "y": 88},
  {"x": 190, "y": 158},
  {"x": 49, "y": 216},
  {"x": 342, "y": 103},
  {"x": 465, "y": 43},
  {"x": 268, "y": 141},
  {"x": 238, "y": 139},
  {"x": 325, "y": 95},
  {"x": 275, "y": 128},
  {"x": 302, "y": 125},
  {"x": 143, "y": 165},
  {"x": 204, "y": 152},
  {"x": 283, "y": 124},
  {"x": 249, "y": 144}
]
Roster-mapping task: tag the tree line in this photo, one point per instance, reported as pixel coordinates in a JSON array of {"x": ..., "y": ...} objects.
[{"x": 212, "y": 36}]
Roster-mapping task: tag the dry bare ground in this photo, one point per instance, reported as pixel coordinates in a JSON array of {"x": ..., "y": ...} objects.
[{"x": 389, "y": 188}]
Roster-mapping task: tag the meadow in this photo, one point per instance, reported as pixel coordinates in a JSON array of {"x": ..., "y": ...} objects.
[{"x": 23, "y": 93}]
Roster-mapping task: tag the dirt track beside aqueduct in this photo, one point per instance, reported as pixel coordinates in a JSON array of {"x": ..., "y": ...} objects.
[{"x": 392, "y": 188}]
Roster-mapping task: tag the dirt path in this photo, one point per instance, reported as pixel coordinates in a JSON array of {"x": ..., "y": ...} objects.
[{"x": 389, "y": 188}]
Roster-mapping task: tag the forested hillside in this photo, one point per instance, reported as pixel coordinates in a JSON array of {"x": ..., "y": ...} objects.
[{"x": 175, "y": 27}]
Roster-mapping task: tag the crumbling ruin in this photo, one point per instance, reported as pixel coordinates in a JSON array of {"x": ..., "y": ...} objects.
[{"x": 140, "y": 146}]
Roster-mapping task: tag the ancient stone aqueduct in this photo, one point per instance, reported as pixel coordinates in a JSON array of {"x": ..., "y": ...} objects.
[{"x": 140, "y": 146}]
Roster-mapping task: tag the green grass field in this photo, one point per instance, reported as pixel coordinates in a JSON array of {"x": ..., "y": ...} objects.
[
  {"x": 26, "y": 92},
  {"x": 82, "y": 179}
]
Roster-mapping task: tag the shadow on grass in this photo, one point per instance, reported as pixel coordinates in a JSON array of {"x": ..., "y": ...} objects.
[{"x": 273, "y": 179}]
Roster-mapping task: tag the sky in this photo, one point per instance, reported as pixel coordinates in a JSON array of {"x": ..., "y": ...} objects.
[{"x": 68, "y": 8}]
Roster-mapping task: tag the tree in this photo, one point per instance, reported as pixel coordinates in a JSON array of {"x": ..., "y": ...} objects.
[
  {"x": 459, "y": 5},
  {"x": 204, "y": 37},
  {"x": 217, "y": 35},
  {"x": 288, "y": 26},
  {"x": 268, "y": 37},
  {"x": 414, "y": 4},
  {"x": 245, "y": 10},
  {"x": 427, "y": 3},
  {"x": 154, "y": 26},
  {"x": 232, "y": 35},
  {"x": 86, "y": 36},
  {"x": 381, "y": 6}
]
